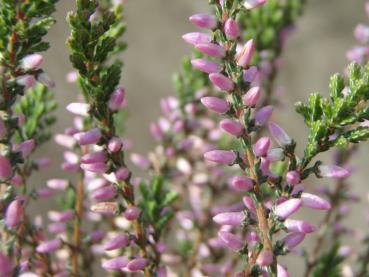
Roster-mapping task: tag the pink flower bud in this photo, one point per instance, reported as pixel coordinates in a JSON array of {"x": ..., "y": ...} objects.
[
  {"x": 249, "y": 203},
  {"x": 230, "y": 240},
  {"x": 203, "y": 20},
  {"x": 261, "y": 147},
  {"x": 156, "y": 132},
  {"x": 115, "y": 144},
  {"x": 32, "y": 61},
  {"x": 5, "y": 168},
  {"x": 281, "y": 271},
  {"x": 43, "y": 163},
  {"x": 26, "y": 148},
  {"x": 231, "y": 29},
  {"x": 104, "y": 193},
  {"x": 215, "y": 104},
  {"x": 65, "y": 141},
  {"x": 71, "y": 157},
  {"x": 17, "y": 180},
  {"x": 95, "y": 157},
  {"x": 132, "y": 213},
  {"x": 265, "y": 258},
  {"x": 95, "y": 167},
  {"x": 252, "y": 97},
  {"x": 232, "y": 218},
  {"x": 244, "y": 57},
  {"x": 357, "y": 54},
  {"x": 44, "y": 193},
  {"x": 233, "y": 127},
  {"x": 116, "y": 263},
  {"x": 314, "y": 202},
  {"x": 333, "y": 171},
  {"x": 292, "y": 240},
  {"x": 6, "y": 266},
  {"x": 122, "y": 174},
  {"x": 252, "y": 238},
  {"x": 116, "y": 99},
  {"x": 117, "y": 242},
  {"x": 293, "y": 177},
  {"x": 48, "y": 246},
  {"x": 81, "y": 109},
  {"x": 58, "y": 184},
  {"x": 56, "y": 228},
  {"x": 179, "y": 125},
  {"x": 221, "y": 82},
  {"x": 206, "y": 66},
  {"x": 60, "y": 216},
  {"x": 279, "y": 135},
  {"x": 211, "y": 49},
  {"x": 89, "y": 137},
  {"x": 287, "y": 208},
  {"x": 263, "y": 115},
  {"x": 14, "y": 214},
  {"x": 140, "y": 161},
  {"x": 242, "y": 183},
  {"x": 196, "y": 38},
  {"x": 361, "y": 33},
  {"x": 27, "y": 81},
  {"x": 71, "y": 77},
  {"x": 69, "y": 167},
  {"x": 252, "y": 4},
  {"x": 221, "y": 156},
  {"x": 107, "y": 208},
  {"x": 299, "y": 226},
  {"x": 137, "y": 264},
  {"x": 250, "y": 74},
  {"x": 97, "y": 236}
]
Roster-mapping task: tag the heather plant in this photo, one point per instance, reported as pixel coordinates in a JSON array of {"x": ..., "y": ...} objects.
[{"x": 220, "y": 193}]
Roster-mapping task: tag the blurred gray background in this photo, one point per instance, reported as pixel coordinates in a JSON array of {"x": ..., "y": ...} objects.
[{"x": 314, "y": 52}]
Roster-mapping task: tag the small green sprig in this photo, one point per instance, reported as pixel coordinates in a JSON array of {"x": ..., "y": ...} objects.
[
  {"x": 330, "y": 263},
  {"x": 338, "y": 115},
  {"x": 269, "y": 24},
  {"x": 155, "y": 199},
  {"x": 23, "y": 25},
  {"x": 189, "y": 81},
  {"x": 38, "y": 107},
  {"x": 92, "y": 42}
]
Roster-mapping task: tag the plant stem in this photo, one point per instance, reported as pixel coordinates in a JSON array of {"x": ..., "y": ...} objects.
[{"x": 261, "y": 217}]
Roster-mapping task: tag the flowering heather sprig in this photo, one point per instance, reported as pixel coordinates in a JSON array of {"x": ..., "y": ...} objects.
[
  {"x": 99, "y": 83},
  {"x": 268, "y": 220},
  {"x": 182, "y": 166},
  {"x": 24, "y": 89}
]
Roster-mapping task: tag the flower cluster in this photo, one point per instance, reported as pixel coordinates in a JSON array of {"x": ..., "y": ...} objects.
[
  {"x": 223, "y": 188},
  {"x": 271, "y": 197}
]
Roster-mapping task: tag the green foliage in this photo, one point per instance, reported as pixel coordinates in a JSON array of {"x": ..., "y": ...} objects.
[
  {"x": 266, "y": 24},
  {"x": 38, "y": 107},
  {"x": 68, "y": 200},
  {"x": 95, "y": 37},
  {"x": 23, "y": 24},
  {"x": 26, "y": 22},
  {"x": 155, "y": 198},
  {"x": 329, "y": 264},
  {"x": 189, "y": 81},
  {"x": 339, "y": 115}
]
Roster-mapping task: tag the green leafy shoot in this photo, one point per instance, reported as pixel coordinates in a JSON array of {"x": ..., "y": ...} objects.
[{"x": 38, "y": 107}]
